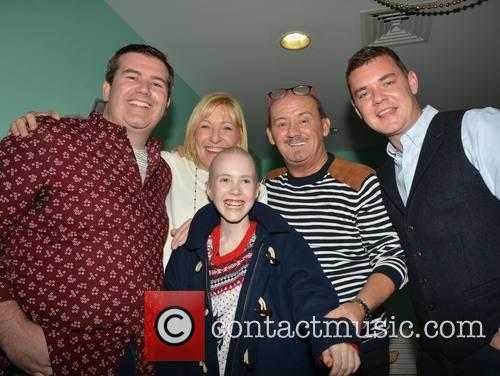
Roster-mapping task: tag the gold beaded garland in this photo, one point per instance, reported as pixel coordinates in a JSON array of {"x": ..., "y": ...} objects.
[{"x": 418, "y": 7}]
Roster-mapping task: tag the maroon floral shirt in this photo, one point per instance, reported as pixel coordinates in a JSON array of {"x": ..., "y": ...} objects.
[{"x": 81, "y": 239}]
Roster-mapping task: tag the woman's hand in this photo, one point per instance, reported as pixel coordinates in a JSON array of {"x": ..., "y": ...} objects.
[{"x": 180, "y": 234}]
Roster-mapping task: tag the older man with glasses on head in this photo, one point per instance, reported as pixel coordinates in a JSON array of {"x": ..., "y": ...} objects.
[{"x": 337, "y": 206}]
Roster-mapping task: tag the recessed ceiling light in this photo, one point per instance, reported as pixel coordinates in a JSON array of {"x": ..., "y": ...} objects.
[{"x": 295, "y": 40}]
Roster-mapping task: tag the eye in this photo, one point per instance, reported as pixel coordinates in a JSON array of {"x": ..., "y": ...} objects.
[
  {"x": 228, "y": 127},
  {"x": 130, "y": 77},
  {"x": 388, "y": 83},
  {"x": 224, "y": 180},
  {"x": 362, "y": 95},
  {"x": 158, "y": 85},
  {"x": 204, "y": 125},
  {"x": 305, "y": 121},
  {"x": 280, "y": 124},
  {"x": 247, "y": 181}
]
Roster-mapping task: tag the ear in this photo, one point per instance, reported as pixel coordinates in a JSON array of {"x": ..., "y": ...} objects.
[
  {"x": 238, "y": 144},
  {"x": 325, "y": 124},
  {"x": 166, "y": 108},
  {"x": 270, "y": 136},
  {"x": 257, "y": 191},
  {"x": 208, "y": 190},
  {"x": 106, "y": 87},
  {"x": 413, "y": 82},
  {"x": 356, "y": 109}
]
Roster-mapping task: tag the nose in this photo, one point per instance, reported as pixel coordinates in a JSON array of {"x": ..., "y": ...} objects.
[
  {"x": 235, "y": 187},
  {"x": 293, "y": 129},
  {"x": 378, "y": 96},
  {"x": 215, "y": 135},
  {"x": 143, "y": 87}
]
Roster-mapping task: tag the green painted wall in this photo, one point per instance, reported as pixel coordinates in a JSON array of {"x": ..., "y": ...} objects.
[{"x": 54, "y": 54}]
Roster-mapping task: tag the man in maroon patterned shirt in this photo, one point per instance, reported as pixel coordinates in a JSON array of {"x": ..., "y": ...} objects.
[{"x": 82, "y": 227}]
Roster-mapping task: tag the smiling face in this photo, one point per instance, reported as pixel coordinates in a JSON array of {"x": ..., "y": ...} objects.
[
  {"x": 384, "y": 97},
  {"x": 297, "y": 130},
  {"x": 233, "y": 186},
  {"x": 215, "y": 133},
  {"x": 137, "y": 98}
]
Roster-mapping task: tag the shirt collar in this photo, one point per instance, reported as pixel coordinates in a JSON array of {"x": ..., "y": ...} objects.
[
  {"x": 313, "y": 178},
  {"x": 416, "y": 134}
]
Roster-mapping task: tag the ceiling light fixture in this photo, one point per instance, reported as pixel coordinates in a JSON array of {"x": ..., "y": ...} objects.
[{"x": 295, "y": 40}]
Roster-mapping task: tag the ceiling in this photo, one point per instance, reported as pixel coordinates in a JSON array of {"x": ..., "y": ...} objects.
[{"x": 233, "y": 46}]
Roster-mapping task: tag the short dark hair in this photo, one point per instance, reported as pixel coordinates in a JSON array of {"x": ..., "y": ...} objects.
[
  {"x": 367, "y": 54},
  {"x": 321, "y": 110},
  {"x": 144, "y": 49}
]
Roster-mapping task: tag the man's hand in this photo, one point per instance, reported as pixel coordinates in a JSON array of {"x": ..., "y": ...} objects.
[
  {"x": 22, "y": 125},
  {"x": 351, "y": 311},
  {"x": 180, "y": 234},
  {"x": 23, "y": 341},
  {"x": 495, "y": 341},
  {"x": 342, "y": 358}
]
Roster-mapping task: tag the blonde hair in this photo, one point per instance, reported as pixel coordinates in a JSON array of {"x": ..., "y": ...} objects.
[{"x": 203, "y": 109}]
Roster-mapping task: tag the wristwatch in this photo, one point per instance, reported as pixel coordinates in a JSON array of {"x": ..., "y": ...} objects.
[{"x": 368, "y": 313}]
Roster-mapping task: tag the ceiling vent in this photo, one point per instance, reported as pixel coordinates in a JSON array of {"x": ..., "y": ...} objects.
[{"x": 386, "y": 27}]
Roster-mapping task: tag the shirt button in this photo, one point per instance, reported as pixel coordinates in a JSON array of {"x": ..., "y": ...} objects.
[
  {"x": 419, "y": 253},
  {"x": 423, "y": 280},
  {"x": 411, "y": 228},
  {"x": 430, "y": 307}
]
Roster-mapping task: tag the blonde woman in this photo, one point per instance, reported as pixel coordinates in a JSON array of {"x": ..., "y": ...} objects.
[{"x": 216, "y": 123}]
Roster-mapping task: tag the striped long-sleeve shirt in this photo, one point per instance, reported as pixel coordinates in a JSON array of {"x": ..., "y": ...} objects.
[{"x": 340, "y": 213}]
